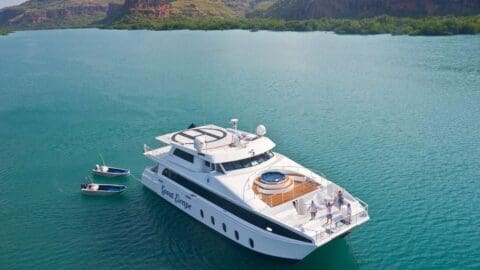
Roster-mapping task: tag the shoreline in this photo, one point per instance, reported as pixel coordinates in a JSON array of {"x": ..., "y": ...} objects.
[
  {"x": 426, "y": 26},
  {"x": 5, "y": 32}
]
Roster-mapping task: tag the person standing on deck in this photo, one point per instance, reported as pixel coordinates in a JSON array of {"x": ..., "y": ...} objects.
[
  {"x": 329, "y": 213},
  {"x": 339, "y": 200},
  {"x": 313, "y": 210},
  {"x": 349, "y": 213}
]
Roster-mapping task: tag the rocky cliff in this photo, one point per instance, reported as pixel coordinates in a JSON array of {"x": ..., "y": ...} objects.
[
  {"x": 306, "y": 9},
  {"x": 55, "y": 13},
  {"x": 190, "y": 8},
  {"x": 83, "y": 13}
]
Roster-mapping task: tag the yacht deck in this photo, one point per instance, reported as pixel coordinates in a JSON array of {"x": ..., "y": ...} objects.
[
  {"x": 299, "y": 189},
  {"x": 317, "y": 228}
]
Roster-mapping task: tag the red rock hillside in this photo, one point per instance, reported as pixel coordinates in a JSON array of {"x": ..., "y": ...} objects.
[{"x": 302, "y": 9}]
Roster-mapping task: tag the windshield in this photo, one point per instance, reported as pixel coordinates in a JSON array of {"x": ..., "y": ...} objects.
[{"x": 247, "y": 162}]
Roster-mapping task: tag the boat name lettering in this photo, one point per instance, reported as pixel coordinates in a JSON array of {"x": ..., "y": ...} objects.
[{"x": 176, "y": 198}]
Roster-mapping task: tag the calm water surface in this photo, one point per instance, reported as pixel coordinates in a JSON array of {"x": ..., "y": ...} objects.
[{"x": 393, "y": 119}]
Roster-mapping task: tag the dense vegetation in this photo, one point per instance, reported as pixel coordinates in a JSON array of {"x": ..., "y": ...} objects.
[
  {"x": 344, "y": 17},
  {"x": 4, "y": 32},
  {"x": 448, "y": 25}
]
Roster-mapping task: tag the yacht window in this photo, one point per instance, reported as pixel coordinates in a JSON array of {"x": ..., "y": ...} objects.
[
  {"x": 224, "y": 227},
  {"x": 233, "y": 208},
  {"x": 183, "y": 155},
  {"x": 218, "y": 168},
  {"x": 252, "y": 245},
  {"x": 201, "y": 213},
  {"x": 236, "y": 235},
  {"x": 167, "y": 173},
  {"x": 248, "y": 162},
  {"x": 212, "y": 219},
  {"x": 209, "y": 165}
]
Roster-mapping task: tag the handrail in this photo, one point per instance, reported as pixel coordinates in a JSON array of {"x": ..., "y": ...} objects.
[
  {"x": 333, "y": 226},
  {"x": 146, "y": 148},
  {"x": 364, "y": 204}
]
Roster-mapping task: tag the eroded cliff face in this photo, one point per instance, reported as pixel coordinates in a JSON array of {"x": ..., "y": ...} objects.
[
  {"x": 82, "y": 13},
  {"x": 55, "y": 13},
  {"x": 190, "y": 8},
  {"x": 303, "y": 9},
  {"x": 151, "y": 8}
]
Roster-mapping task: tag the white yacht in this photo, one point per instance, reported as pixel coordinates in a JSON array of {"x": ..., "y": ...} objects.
[{"x": 233, "y": 182}]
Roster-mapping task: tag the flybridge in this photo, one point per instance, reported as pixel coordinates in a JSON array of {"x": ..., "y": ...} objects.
[
  {"x": 217, "y": 144},
  {"x": 209, "y": 135}
]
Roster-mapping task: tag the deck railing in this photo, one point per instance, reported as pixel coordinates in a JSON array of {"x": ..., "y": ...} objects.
[
  {"x": 364, "y": 204},
  {"x": 322, "y": 232},
  {"x": 146, "y": 148}
]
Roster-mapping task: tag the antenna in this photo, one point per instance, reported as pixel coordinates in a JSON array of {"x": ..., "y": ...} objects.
[
  {"x": 102, "y": 160},
  {"x": 234, "y": 123}
]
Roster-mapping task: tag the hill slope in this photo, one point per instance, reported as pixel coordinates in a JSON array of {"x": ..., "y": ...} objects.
[
  {"x": 228, "y": 14},
  {"x": 313, "y": 9},
  {"x": 56, "y": 13},
  {"x": 219, "y": 9}
]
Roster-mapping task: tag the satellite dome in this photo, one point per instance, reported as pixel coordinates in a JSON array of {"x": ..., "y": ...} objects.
[
  {"x": 199, "y": 143},
  {"x": 261, "y": 130}
]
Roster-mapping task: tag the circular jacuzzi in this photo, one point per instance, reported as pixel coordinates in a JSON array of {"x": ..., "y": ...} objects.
[
  {"x": 273, "y": 183},
  {"x": 272, "y": 177}
]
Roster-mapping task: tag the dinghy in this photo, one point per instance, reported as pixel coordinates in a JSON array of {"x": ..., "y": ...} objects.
[
  {"x": 108, "y": 171},
  {"x": 91, "y": 188}
]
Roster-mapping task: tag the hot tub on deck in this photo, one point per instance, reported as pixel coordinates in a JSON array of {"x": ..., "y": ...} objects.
[
  {"x": 272, "y": 178},
  {"x": 276, "y": 187},
  {"x": 273, "y": 183}
]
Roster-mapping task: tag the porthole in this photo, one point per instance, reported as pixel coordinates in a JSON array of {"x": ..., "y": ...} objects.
[
  {"x": 237, "y": 236},
  {"x": 224, "y": 227},
  {"x": 201, "y": 213},
  {"x": 212, "y": 219},
  {"x": 251, "y": 243}
]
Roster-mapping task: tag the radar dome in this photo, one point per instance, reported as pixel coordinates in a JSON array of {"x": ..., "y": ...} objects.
[
  {"x": 199, "y": 143},
  {"x": 261, "y": 130}
]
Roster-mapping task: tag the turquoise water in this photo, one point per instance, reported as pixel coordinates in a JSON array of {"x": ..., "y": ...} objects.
[{"x": 393, "y": 119}]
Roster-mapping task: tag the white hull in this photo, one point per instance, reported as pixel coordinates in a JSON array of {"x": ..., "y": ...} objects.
[
  {"x": 265, "y": 242},
  {"x": 234, "y": 183}
]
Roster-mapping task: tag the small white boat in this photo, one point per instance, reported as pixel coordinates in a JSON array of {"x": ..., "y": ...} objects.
[
  {"x": 108, "y": 171},
  {"x": 101, "y": 189}
]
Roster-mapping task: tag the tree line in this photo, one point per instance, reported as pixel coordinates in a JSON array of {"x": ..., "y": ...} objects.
[{"x": 446, "y": 25}]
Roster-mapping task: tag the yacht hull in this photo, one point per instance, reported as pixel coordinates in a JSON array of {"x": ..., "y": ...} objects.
[{"x": 225, "y": 223}]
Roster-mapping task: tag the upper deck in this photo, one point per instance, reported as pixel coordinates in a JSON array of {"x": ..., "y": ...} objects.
[{"x": 217, "y": 144}]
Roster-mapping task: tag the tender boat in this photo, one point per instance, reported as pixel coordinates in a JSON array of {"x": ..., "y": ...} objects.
[
  {"x": 108, "y": 171},
  {"x": 233, "y": 182},
  {"x": 101, "y": 189}
]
